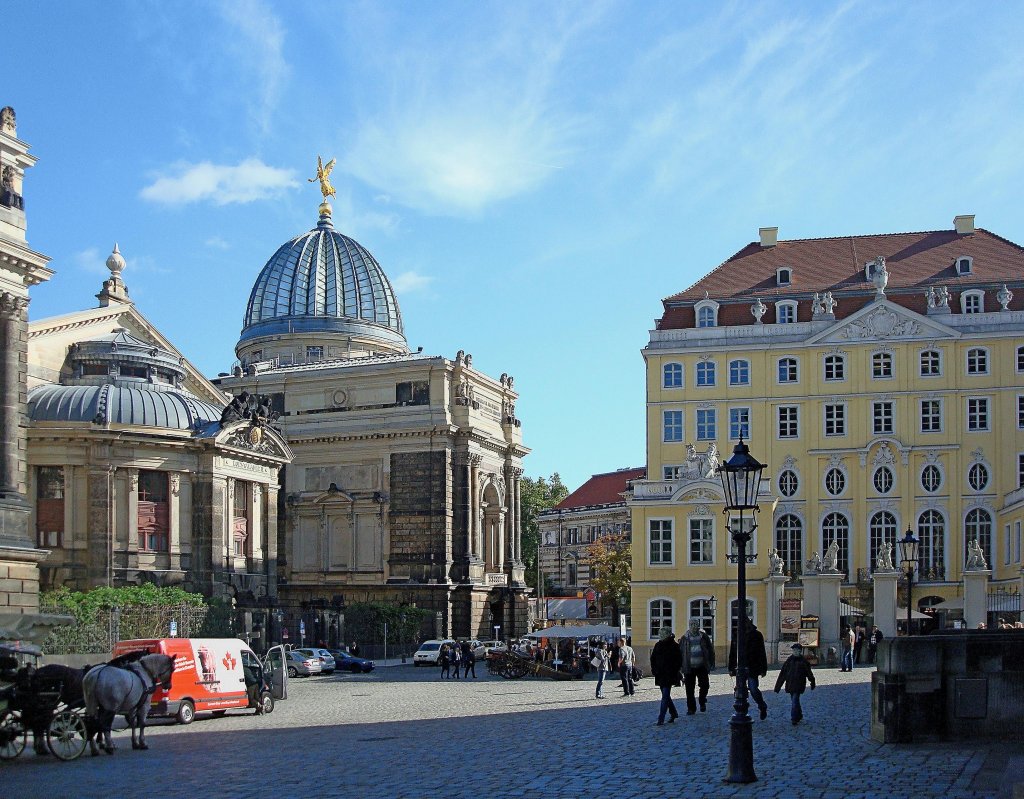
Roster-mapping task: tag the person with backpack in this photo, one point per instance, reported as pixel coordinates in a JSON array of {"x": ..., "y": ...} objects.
[{"x": 795, "y": 674}]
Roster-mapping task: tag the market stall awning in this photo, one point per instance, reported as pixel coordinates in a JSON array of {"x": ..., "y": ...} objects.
[
  {"x": 846, "y": 609},
  {"x": 957, "y": 603},
  {"x": 583, "y": 631},
  {"x": 901, "y": 614}
]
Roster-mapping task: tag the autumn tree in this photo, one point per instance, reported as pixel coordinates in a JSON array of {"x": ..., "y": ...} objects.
[
  {"x": 611, "y": 569},
  {"x": 537, "y": 495}
]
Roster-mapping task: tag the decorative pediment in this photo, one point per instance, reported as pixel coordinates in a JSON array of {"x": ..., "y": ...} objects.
[
  {"x": 883, "y": 321},
  {"x": 259, "y": 439}
]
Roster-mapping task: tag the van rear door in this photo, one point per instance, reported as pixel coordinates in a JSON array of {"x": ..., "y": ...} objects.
[{"x": 277, "y": 672}]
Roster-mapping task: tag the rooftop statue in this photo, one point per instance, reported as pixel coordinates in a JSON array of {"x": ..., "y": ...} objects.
[
  {"x": 829, "y": 564},
  {"x": 975, "y": 556},
  {"x": 322, "y": 174}
]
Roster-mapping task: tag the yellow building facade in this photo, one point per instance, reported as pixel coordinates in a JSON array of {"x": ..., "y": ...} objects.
[{"x": 884, "y": 391}]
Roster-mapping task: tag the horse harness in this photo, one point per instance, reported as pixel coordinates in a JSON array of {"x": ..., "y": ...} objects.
[{"x": 149, "y": 683}]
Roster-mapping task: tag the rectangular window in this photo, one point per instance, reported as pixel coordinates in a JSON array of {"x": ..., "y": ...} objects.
[
  {"x": 1016, "y": 541},
  {"x": 672, "y": 472},
  {"x": 739, "y": 423},
  {"x": 706, "y": 424},
  {"x": 786, "y": 314},
  {"x": 660, "y": 537},
  {"x": 1008, "y": 549},
  {"x": 882, "y": 417},
  {"x": 314, "y": 353},
  {"x": 977, "y": 362},
  {"x": 739, "y": 373},
  {"x": 706, "y": 373},
  {"x": 702, "y": 541},
  {"x": 835, "y": 367},
  {"x": 881, "y": 365},
  {"x": 977, "y": 414},
  {"x": 1020, "y": 411},
  {"x": 972, "y": 303},
  {"x": 931, "y": 416},
  {"x": 153, "y": 512},
  {"x": 49, "y": 506},
  {"x": 1020, "y": 470},
  {"x": 241, "y": 511},
  {"x": 787, "y": 370},
  {"x": 835, "y": 420},
  {"x": 413, "y": 392},
  {"x": 788, "y": 421},
  {"x": 672, "y": 425},
  {"x": 930, "y": 364}
]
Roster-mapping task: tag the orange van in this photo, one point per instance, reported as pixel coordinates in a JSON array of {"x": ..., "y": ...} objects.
[{"x": 208, "y": 675}]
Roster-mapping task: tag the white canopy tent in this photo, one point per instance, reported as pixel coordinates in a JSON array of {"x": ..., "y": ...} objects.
[{"x": 901, "y": 614}]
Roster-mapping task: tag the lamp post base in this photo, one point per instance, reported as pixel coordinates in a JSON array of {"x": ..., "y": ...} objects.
[{"x": 741, "y": 750}]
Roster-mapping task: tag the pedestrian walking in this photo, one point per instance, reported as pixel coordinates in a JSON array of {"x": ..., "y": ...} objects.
[
  {"x": 456, "y": 658},
  {"x": 666, "y": 661},
  {"x": 442, "y": 658},
  {"x": 757, "y": 665},
  {"x": 603, "y": 658},
  {"x": 849, "y": 640},
  {"x": 468, "y": 660},
  {"x": 795, "y": 674},
  {"x": 627, "y": 660},
  {"x": 873, "y": 642},
  {"x": 861, "y": 640},
  {"x": 698, "y": 656},
  {"x": 354, "y": 650}
]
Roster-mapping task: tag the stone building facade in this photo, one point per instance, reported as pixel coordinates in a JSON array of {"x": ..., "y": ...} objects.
[
  {"x": 20, "y": 268},
  {"x": 405, "y": 482}
]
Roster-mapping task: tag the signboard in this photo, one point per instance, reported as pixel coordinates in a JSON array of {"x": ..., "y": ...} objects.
[
  {"x": 789, "y": 615},
  {"x": 174, "y": 628},
  {"x": 622, "y": 624},
  {"x": 808, "y": 638}
]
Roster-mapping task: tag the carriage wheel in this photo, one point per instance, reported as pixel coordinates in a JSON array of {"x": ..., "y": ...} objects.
[
  {"x": 66, "y": 736},
  {"x": 13, "y": 735}
]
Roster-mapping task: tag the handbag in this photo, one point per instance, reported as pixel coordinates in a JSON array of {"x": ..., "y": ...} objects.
[
  {"x": 635, "y": 674},
  {"x": 595, "y": 661}
]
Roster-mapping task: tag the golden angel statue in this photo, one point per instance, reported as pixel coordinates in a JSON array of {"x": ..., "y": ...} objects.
[{"x": 323, "y": 172}]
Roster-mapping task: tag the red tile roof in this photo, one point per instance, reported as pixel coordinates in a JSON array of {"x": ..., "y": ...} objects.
[
  {"x": 601, "y": 489},
  {"x": 914, "y": 261}
]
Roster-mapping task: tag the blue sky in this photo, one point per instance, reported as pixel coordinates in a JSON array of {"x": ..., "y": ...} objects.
[{"x": 534, "y": 177}]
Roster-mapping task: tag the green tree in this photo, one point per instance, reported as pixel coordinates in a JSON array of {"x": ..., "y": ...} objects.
[
  {"x": 537, "y": 495},
  {"x": 611, "y": 569}
]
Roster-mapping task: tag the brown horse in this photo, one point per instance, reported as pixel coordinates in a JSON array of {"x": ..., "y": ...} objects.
[{"x": 110, "y": 690}]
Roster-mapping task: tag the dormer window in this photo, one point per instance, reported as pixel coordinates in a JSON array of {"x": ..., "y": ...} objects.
[
  {"x": 707, "y": 313},
  {"x": 783, "y": 276},
  {"x": 785, "y": 312},
  {"x": 965, "y": 265},
  {"x": 972, "y": 302}
]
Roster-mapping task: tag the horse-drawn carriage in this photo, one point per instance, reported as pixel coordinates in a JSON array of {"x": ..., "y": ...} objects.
[{"x": 46, "y": 701}]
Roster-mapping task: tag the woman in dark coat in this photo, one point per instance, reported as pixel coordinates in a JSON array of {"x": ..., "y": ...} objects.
[{"x": 666, "y": 661}]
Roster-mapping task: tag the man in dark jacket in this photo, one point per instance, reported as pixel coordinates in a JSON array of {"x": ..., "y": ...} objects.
[
  {"x": 757, "y": 664},
  {"x": 666, "y": 661},
  {"x": 796, "y": 673},
  {"x": 698, "y": 655},
  {"x": 873, "y": 642}
]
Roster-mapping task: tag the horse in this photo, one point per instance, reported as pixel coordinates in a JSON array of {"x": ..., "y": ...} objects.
[{"x": 110, "y": 690}]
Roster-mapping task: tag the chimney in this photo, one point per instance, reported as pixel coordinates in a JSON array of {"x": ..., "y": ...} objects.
[
  {"x": 770, "y": 235},
  {"x": 964, "y": 224}
]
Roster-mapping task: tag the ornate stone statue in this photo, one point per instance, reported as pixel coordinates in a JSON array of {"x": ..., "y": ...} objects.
[
  {"x": 322, "y": 174},
  {"x": 235, "y": 410},
  {"x": 8, "y": 196},
  {"x": 816, "y": 309},
  {"x": 829, "y": 564},
  {"x": 975, "y": 557},
  {"x": 710, "y": 461},
  {"x": 692, "y": 464},
  {"x": 8, "y": 121},
  {"x": 942, "y": 297},
  {"x": 758, "y": 309},
  {"x": 460, "y": 358},
  {"x": 883, "y": 560},
  {"x": 1004, "y": 296},
  {"x": 775, "y": 563},
  {"x": 829, "y": 303},
  {"x": 879, "y": 276},
  {"x": 930, "y": 296},
  {"x": 813, "y": 565}
]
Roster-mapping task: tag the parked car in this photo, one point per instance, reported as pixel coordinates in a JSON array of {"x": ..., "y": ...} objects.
[
  {"x": 484, "y": 648},
  {"x": 300, "y": 665},
  {"x": 429, "y": 652},
  {"x": 346, "y": 662},
  {"x": 327, "y": 664}
]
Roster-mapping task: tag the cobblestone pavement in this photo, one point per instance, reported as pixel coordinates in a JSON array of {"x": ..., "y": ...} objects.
[{"x": 401, "y": 732}]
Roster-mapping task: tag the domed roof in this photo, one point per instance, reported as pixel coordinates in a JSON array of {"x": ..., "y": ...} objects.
[
  {"x": 323, "y": 281},
  {"x": 116, "y": 404}
]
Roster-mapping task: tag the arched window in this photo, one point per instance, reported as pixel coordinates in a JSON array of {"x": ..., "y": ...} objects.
[
  {"x": 739, "y": 373},
  {"x": 882, "y": 530},
  {"x": 702, "y": 610},
  {"x": 789, "y": 541},
  {"x": 836, "y": 527},
  {"x": 673, "y": 375},
  {"x": 978, "y": 525},
  {"x": 706, "y": 316},
  {"x": 788, "y": 372},
  {"x": 931, "y": 531},
  {"x": 660, "y": 615}
]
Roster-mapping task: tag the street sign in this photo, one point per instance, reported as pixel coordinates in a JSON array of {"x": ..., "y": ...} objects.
[
  {"x": 302, "y": 627},
  {"x": 174, "y": 628}
]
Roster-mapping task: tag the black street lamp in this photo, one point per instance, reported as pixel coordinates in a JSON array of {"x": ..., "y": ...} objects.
[
  {"x": 908, "y": 557},
  {"x": 714, "y": 615},
  {"x": 741, "y": 479}
]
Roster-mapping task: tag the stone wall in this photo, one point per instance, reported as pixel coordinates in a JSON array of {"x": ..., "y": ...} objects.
[
  {"x": 19, "y": 587},
  {"x": 420, "y": 516}
]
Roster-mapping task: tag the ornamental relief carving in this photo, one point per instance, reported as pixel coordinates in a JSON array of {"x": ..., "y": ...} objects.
[
  {"x": 789, "y": 462},
  {"x": 881, "y": 323},
  {"x": 254, "y": 439},
  {"x": 11, "y": 305},
  {"x": 700, "y": 510},
  {"x": 175, "y": 482}
]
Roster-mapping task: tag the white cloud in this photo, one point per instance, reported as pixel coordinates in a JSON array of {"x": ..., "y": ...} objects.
[
  {"x": 90, "y": 260},
  {"x": 409, "y": 282},
  {"x": 219, "y": 183},
  {"x": 217, "y": 243},
  {"x": 258, "y": 45}
]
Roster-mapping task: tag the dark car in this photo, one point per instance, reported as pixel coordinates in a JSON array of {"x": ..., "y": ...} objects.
[{"x": 343, "y": 661}]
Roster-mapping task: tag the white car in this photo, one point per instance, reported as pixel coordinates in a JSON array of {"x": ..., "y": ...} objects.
[
  {"x": 430, "y": 651},
  {"x": 486, "y": 647}
]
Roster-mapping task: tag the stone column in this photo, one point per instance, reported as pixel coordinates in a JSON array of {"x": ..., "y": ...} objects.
[
  {"x": 475, "y": 517},
  {"x": 517, "y": 508},
  {"x": 132, "y": 545},
  {"x": 468, "y": 512},
  {"x": 174, "y": 519},
  {"x": 775, "y": 588},
  {"x": 500, "y": 530},
  {"x": 821, "y": 598},
  {"x": 885, "y": 588},
  {"x": 12, "y": 309},
  {"x": 976, "y": 597},
  {"x": 271, "y": 542}
]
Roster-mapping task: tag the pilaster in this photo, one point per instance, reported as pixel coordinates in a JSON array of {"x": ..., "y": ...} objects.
[
  {"x": 174, "y": 520},
  {"x": 976, "y": 597},
  {"x": 885, "y": 590},
  {"x": 821, "y": 598},
  {"x": 775, "y": 587}
]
